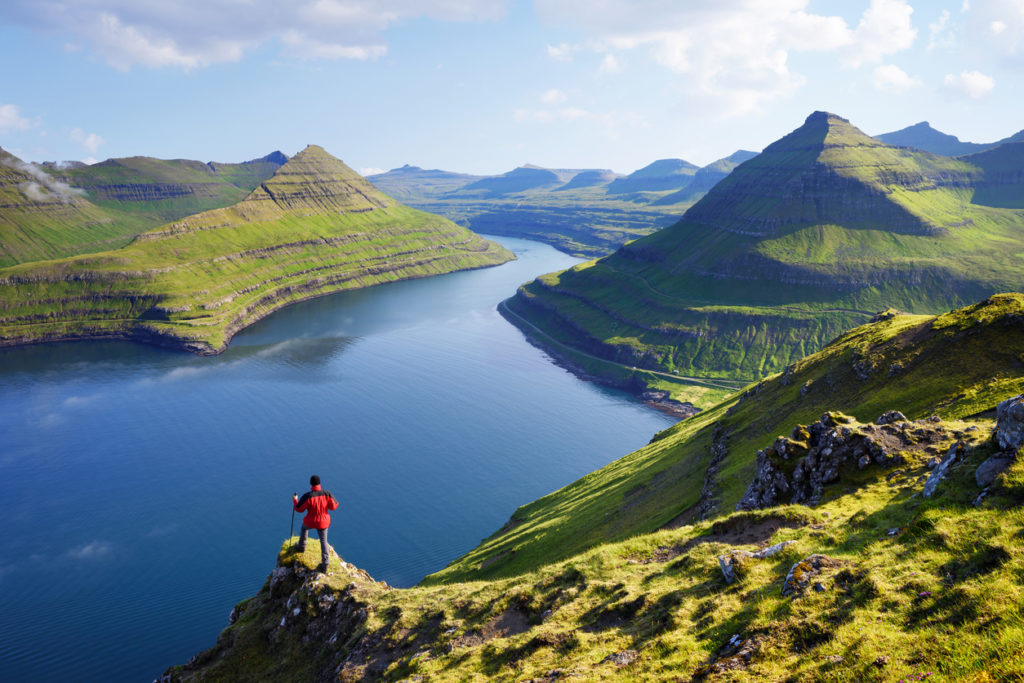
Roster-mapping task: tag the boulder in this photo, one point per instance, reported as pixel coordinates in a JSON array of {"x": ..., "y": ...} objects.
[
  {"x": 987, "y": 471},
  {"x": 940, "y": 471},
  {"x": 623, "y": 658},
  {"x": 1010, "y": 423},
  {"x": 890, "y": 416}
]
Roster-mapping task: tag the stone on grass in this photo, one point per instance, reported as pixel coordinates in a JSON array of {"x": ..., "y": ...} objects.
[
  {"x": 1010, "y": 423},
  {"x": 623, "y": 658},
  {"x": 987, "y": 471},
  {"x": 942, "y": 469}
]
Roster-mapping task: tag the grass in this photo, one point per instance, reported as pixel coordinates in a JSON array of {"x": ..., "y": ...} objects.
[
  {"x": 112, "y": 202},
  {"x": 941, "y": 597},
  {"x": 315, "y": 228}
]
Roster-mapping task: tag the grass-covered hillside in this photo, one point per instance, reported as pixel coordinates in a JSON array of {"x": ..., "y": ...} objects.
[
  {"x": 158, "y": 191},
  {"x": 52, "y": 211},
  {"x": 813, "y": 236},
  {"x": 314, "y": 228},
  {"x": 618, "y": 577},
  {"x": 584, "y": 212}
]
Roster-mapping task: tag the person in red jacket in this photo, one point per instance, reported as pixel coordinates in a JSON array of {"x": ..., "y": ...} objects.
[{"x": 317, "y": 504}]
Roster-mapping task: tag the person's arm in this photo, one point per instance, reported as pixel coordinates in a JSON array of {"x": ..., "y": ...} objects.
[
  {"x": 332, "y": 502},
  {"x": 300, "y": 504}
]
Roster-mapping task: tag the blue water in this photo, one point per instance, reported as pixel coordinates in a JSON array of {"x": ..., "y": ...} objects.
[{"x": 144, "y": 492}]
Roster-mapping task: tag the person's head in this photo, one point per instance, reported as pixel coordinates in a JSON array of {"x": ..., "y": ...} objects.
[{"x": 314, "y": 480}]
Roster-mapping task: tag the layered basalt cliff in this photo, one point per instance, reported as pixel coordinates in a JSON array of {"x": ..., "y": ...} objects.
[
  {"x": 807, "y": 239},
  {"x": 314, "y": 228}
]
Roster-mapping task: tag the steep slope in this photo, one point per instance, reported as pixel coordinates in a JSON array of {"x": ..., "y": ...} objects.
[
  {"x": 82, "y": 209},
  {"x": 1002, "y": 179},
  {"x": 893, "y": 575},
  {"x": 956, "y": 365},
  {"x": 795, "y": 246},
  {"x": 314, "y": 228},
  {"x": 41, "y": 217}
]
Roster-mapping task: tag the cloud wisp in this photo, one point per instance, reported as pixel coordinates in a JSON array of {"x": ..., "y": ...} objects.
[
  {"x": 192, "y": 34},
  {"x": 41, "y": 186}
]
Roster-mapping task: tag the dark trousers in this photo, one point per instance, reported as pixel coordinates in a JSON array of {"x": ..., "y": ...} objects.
[{"x": 322, "y": 533}]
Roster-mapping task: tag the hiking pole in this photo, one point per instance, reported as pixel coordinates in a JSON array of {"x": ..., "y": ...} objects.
[{"x": 291, "y": 531}]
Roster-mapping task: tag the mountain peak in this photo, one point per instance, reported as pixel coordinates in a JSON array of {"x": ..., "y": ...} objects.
[{"x": 315, "y": 179}]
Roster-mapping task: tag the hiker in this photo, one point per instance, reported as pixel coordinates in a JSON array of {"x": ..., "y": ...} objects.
[{"x": 317, "y": 504}]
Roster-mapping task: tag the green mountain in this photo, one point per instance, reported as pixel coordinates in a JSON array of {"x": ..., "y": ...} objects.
[
  {"x": 515, "y": 181},
  {"x": 1001, "y": 182},
  {"x": 922, "y": 136},
  {"x": 411, "y": 183},
  {"x": 158, "y": 191},
  {"x": 42, "y": 217},
  {"x": 797, "y": 245},
  {"x": 907, "y": 566},
  {"x": 315, "y": 227},
  {"x": 706, "y": 177},
  {"x": 52, "y": 211}
]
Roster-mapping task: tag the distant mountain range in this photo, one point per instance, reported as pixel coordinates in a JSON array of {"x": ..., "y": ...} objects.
[
  {"x": 923, "y": 136},
  {"x": 816, "y": 234},
  {"x": 587, "y": 212}
]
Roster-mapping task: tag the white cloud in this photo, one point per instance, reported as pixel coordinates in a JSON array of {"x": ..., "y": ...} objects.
[
  {"x": 972, "y": 84},
  {"x": 885, "y": 28},
  {"x": 891, "y": 78},
  {"x": 940, "y": 32},
  {"x": 561, "y": 52},
  {"x": 610, "y": 64},
  {"x": 554, "y": 96},
  {"x": 40, "y": 186},
  {"x": 997, "y": 26},
  {"x": 573, "y": 113},
  {"x": 90, "y": 141},
  {"x": 733, "y": 53},
  {"x": 11, "y": 119},
  {"x": 371, "y": 171},
  {"x": 192, "y": 34}
]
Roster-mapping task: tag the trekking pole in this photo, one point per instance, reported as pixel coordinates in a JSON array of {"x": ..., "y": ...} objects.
[{"x": 291, "y": 531}]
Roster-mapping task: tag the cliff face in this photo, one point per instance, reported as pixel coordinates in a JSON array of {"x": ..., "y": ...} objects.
[
  {"x": 314, "y": 228},
  {"x": 797, "y": 244}
]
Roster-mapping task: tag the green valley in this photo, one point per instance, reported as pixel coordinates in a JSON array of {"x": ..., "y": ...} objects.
[
  {"x": 584, "y": 212},
  {"x": 813, "y": 236},
  {"x": 314, "y": 227}
]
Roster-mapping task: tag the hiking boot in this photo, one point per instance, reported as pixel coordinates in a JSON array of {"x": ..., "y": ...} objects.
[
  {"x": 300, "y": 548},
  {"x": 322, "y": 568}
]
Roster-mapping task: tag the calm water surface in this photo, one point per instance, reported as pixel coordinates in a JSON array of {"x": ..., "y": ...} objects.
[{"x": 144, "y": 492}]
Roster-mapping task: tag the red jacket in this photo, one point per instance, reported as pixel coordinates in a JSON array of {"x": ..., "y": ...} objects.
[{"x": 319, "y": 504}]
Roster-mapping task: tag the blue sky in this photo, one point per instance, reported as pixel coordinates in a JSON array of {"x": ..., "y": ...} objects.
[{"x": 482, "y": 86}]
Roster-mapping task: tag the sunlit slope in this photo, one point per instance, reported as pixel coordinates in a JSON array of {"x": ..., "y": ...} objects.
[
  {"x": 48, "y": 213},
  {"x": 956, "y": 365},
  {"x": 152, "y": 192},
  {"x": 40, "y": 218},
  {"x": 795, "y": 246},
  {"x": 314, "y": 228}
]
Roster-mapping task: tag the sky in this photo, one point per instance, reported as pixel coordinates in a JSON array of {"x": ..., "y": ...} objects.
[{"x": 483, "y": 86}]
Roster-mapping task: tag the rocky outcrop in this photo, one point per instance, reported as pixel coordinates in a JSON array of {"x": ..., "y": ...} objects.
[
  {"x": 797, "y": 468},
  {"x": 940, "y": 471},
  {"x": 1010, "y": 423}
]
